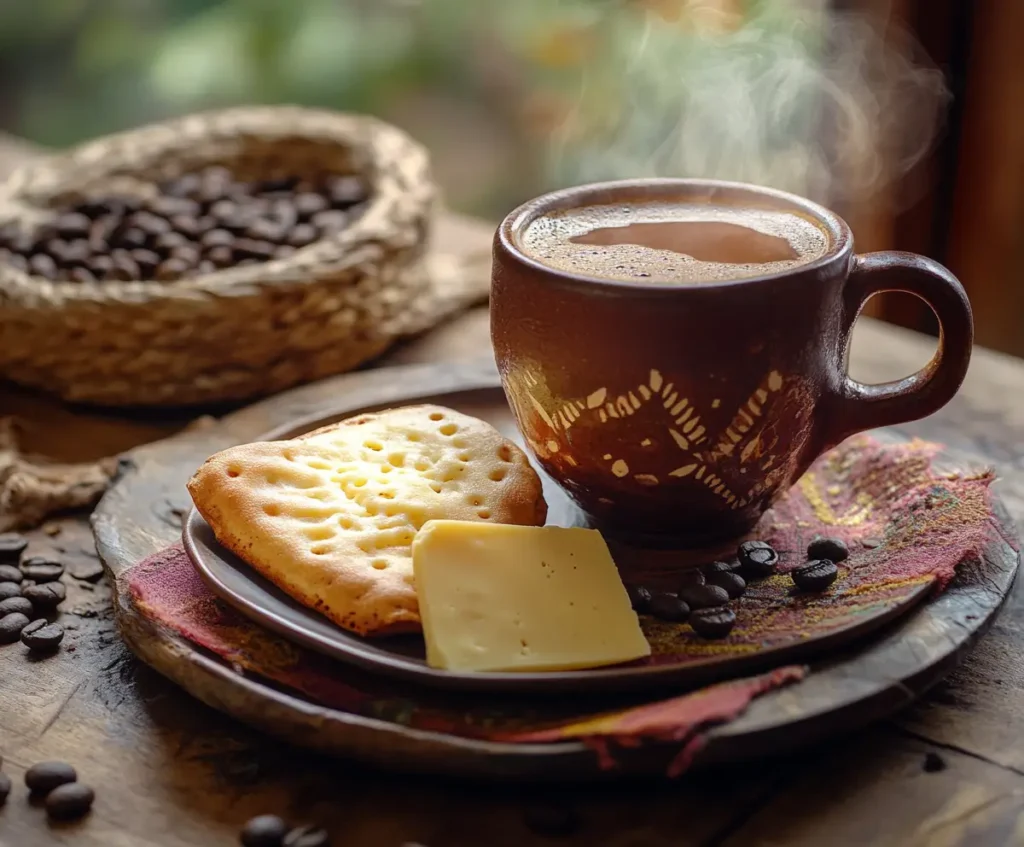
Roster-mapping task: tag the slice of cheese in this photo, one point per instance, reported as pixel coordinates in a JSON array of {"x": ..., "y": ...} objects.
[{"x": 496, "y": 597}]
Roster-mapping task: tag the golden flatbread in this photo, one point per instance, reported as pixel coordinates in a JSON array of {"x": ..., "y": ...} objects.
[{"x": 330, "y": 517}]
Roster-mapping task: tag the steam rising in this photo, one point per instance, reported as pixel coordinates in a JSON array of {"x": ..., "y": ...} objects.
[{"x": 825, "y": 104}]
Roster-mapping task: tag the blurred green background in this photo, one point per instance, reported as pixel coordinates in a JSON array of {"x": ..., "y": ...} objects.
[{"x": 512, "y": 96}]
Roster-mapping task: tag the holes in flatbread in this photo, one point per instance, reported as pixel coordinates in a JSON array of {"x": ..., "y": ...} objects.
[
  {"x": 319, "y": 533},
  {"x": 497, "y": 475},
  {"x": 448, "y": 429},
  {"x": 422, "y": 465},
  {"x": 397, "y": 459},
  {"x": 371, "y": 510},
  {"x": 345, "y": 522},
  {"x": 320, "y": 549},
  {"x": 359, "y": 482},
  {"x": 435, "y": 487},
  {"x": 271, "y": 478},
  {"x": 272, "y": 510},
  {"x": 318, "y": 464},
  {"x": 459, "y": 442},
  {"x": 386, "y": 468},
  {"x": 379, "y": 564},
  {"x": 366, "y": 546},
  {"x": 388, "y": 495},
  {"x": 474, "y": 499},
  {"x": 234, "y": 470},
  {"x": 376, "y": 446},
  {"x": 505, "y": 453},
  {"x": 484, "y": 514},
  {"x": 436, "y": 416},
  {"x": 413, "y": 436},
  {"x": 320, "y": 495}
]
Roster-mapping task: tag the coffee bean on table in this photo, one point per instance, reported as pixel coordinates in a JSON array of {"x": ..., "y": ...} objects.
[
  {"x": 303, "y": 235},
  {"x": 12, "y": 546},
  {"x": 73, "y": 224},
  {"x": 81, "y": 275},
  {"x": 171, "y": 270},
  {"x": 833, "y": 549},
  {"x": 250, "y": 248},
  {"x": 264, "y": 230},
  {"x": 131, "y": 237},
  {"x": 703, "y": 596},
  {"x": 690, "y": 578},
  {"x": 815, "y": 576},
  {"x": 11, "y": 627},
  {"x": 263, "y": 831},
  {"x": 42, "y": 637},
  {"x": 308, "y": 204},
  {"x": 69, "y": 801},
  {"x": 216, "y": 237},
  {"x": 76, "y": 252},
  {"x": 222, "y": 256},
  {"x": 757, "y": 558},
  {"x": 10, "y": 573},
  {"x": 49, "y": 595},
  {"x": 639, "y": 597},
  {"x": 125, "y": 269},
  {"x": 43, "y": 777},
  {"x": 716, "y": 622},
  {"x": 19, "y": 605},
  {"x": 720, "y": 567},
  {"x": 734, "y": 585},
  {"x": 307, "y": 836},
  {"x": 5, "y": 787},
  {"x": 668, "y": 607},
  {"x": 41, "y": 569},
  {"x": 188, "y": 254},
  {"x": 101, "y": 266},
  {"x": 151, "y": 224},
  {"x": 9, "y": 589},
  {"x": 169, "y": 240}
]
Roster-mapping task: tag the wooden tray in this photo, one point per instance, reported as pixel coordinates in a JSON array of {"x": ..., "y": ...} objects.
[
  {"x": 404, "y": 657},
  {"x": 142, "y": 513}
]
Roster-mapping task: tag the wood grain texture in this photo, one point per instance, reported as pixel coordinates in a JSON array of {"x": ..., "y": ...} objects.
[{"x": 174, "y": 773}]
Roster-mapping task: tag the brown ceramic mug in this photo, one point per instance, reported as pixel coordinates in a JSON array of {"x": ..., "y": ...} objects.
[{"x": 684, "y": 411}]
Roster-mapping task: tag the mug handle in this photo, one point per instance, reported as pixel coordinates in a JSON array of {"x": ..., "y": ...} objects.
[{"x": 856, "y": 407}]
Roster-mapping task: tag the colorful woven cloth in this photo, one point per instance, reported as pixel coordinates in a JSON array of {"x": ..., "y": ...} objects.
[{"x": 908, "y": 526}]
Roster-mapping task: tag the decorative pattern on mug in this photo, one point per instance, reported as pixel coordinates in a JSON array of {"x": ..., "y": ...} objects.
[{"x": 745, "y": 440}]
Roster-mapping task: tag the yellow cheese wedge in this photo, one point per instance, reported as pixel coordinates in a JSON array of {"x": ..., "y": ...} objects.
[{"x": 496, "y": 597}]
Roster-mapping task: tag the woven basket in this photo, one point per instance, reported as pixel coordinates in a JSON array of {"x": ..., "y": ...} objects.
[{"x": 244, "y": 331}]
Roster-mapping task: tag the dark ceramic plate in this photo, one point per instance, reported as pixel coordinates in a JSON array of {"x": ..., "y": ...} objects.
[{"x": 403, "y": 656}]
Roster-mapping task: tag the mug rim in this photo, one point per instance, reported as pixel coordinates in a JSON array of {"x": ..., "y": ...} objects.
[{"x": 575, "y": 196}]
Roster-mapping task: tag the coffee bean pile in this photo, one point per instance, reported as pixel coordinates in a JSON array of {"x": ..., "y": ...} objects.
[
  {"x": 703, "y": 594},
  {"x": 272, "y": 831},
  {"x": 30, "y": 590},
  {"x": 57, "y": 785},
  {"x": 197, "y": 224}
]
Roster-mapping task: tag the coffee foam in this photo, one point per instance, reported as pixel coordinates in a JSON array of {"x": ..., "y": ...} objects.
[{"x": 548, "y": 240}]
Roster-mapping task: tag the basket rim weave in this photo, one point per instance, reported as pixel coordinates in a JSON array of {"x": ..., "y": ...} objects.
[{"x": 371, "y": 137}]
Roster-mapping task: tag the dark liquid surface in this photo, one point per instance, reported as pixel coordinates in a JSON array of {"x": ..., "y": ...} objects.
[{"x": 705, "y": 241}]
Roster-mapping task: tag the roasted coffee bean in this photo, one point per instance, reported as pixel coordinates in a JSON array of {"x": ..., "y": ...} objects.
[
  {"x": 16, "y": 605},
  {"x": 186, "y": 185},
  {"x": 720, "y": 567},
  {"x": 303, "y": 235},
  {"x": 224, "y": 210},
  {"x": 639, "y": 597},
  {"x": 688, "y": 579},
  {"x": 125, "y": 269},
  {"x": 330, "y": 222},
  {"x": 552, "y": 820},
  {"x": 308, "y": 204},
  {"x": 73, "y": 224},
  {"x": 282, "y": 251},
  {"x": 130, "y": 238},
  {"x": 187, "y": 253},
  {"x": 815, "y": 576},
  {"x": 185, "y": 225},
  {"x": 43, "y": 777},
  {"x": 168, "y": 241},
  {"x": 147, "y": 260},
  {"x": 49, "y": 595},
  {"x": 12, "y": 546},
  {"x": 69, "y": 801},
  {"x": 264, "y": 831},
  {"x": 9, "y": 589},
  {"x": 5, "y": 787},
  {"x": 734, "y": 585},
  {"x": 216, "y": 237},
  {"x": 10, "y": 573},
  {"x": 668, "y": 607},
  {"x": 703, "y": 596},
  {"x": 833, "y": 549},
  {"x": 150, "y": 224},
  {"x": 222, "y": 256},
  {"x": 250, "y": 248},
  {"x": 716, "y": 622},
  {"x": 283, "y": 216},
  {"x": 19, "y": 262},
  {"x": 170, "y": 270},
  {"x": 23, "y": 243},
  {"x": 81, "y": 275},
  {"x": 347, "y": 191},
  {"x": 169, "y": 207},
  {"x": 264, "y": 230},
  {"x": 42, "y": 569},
  {"x": 77, "y": 252},
  {"x": 245, "y": 263},
  {"x": 101, "y": 266},
  {"x": 41, "y": 636},
  {"x": 206, "y": 267},
  {"x": 307, "y": 836},
  {"x": 11, "y": 626},
  {"x": 42, "y": 265},
  {"x": 757, "y": 558}
]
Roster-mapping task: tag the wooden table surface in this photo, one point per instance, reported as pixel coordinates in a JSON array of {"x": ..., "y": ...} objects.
[{"x": 172, "y": 772}]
